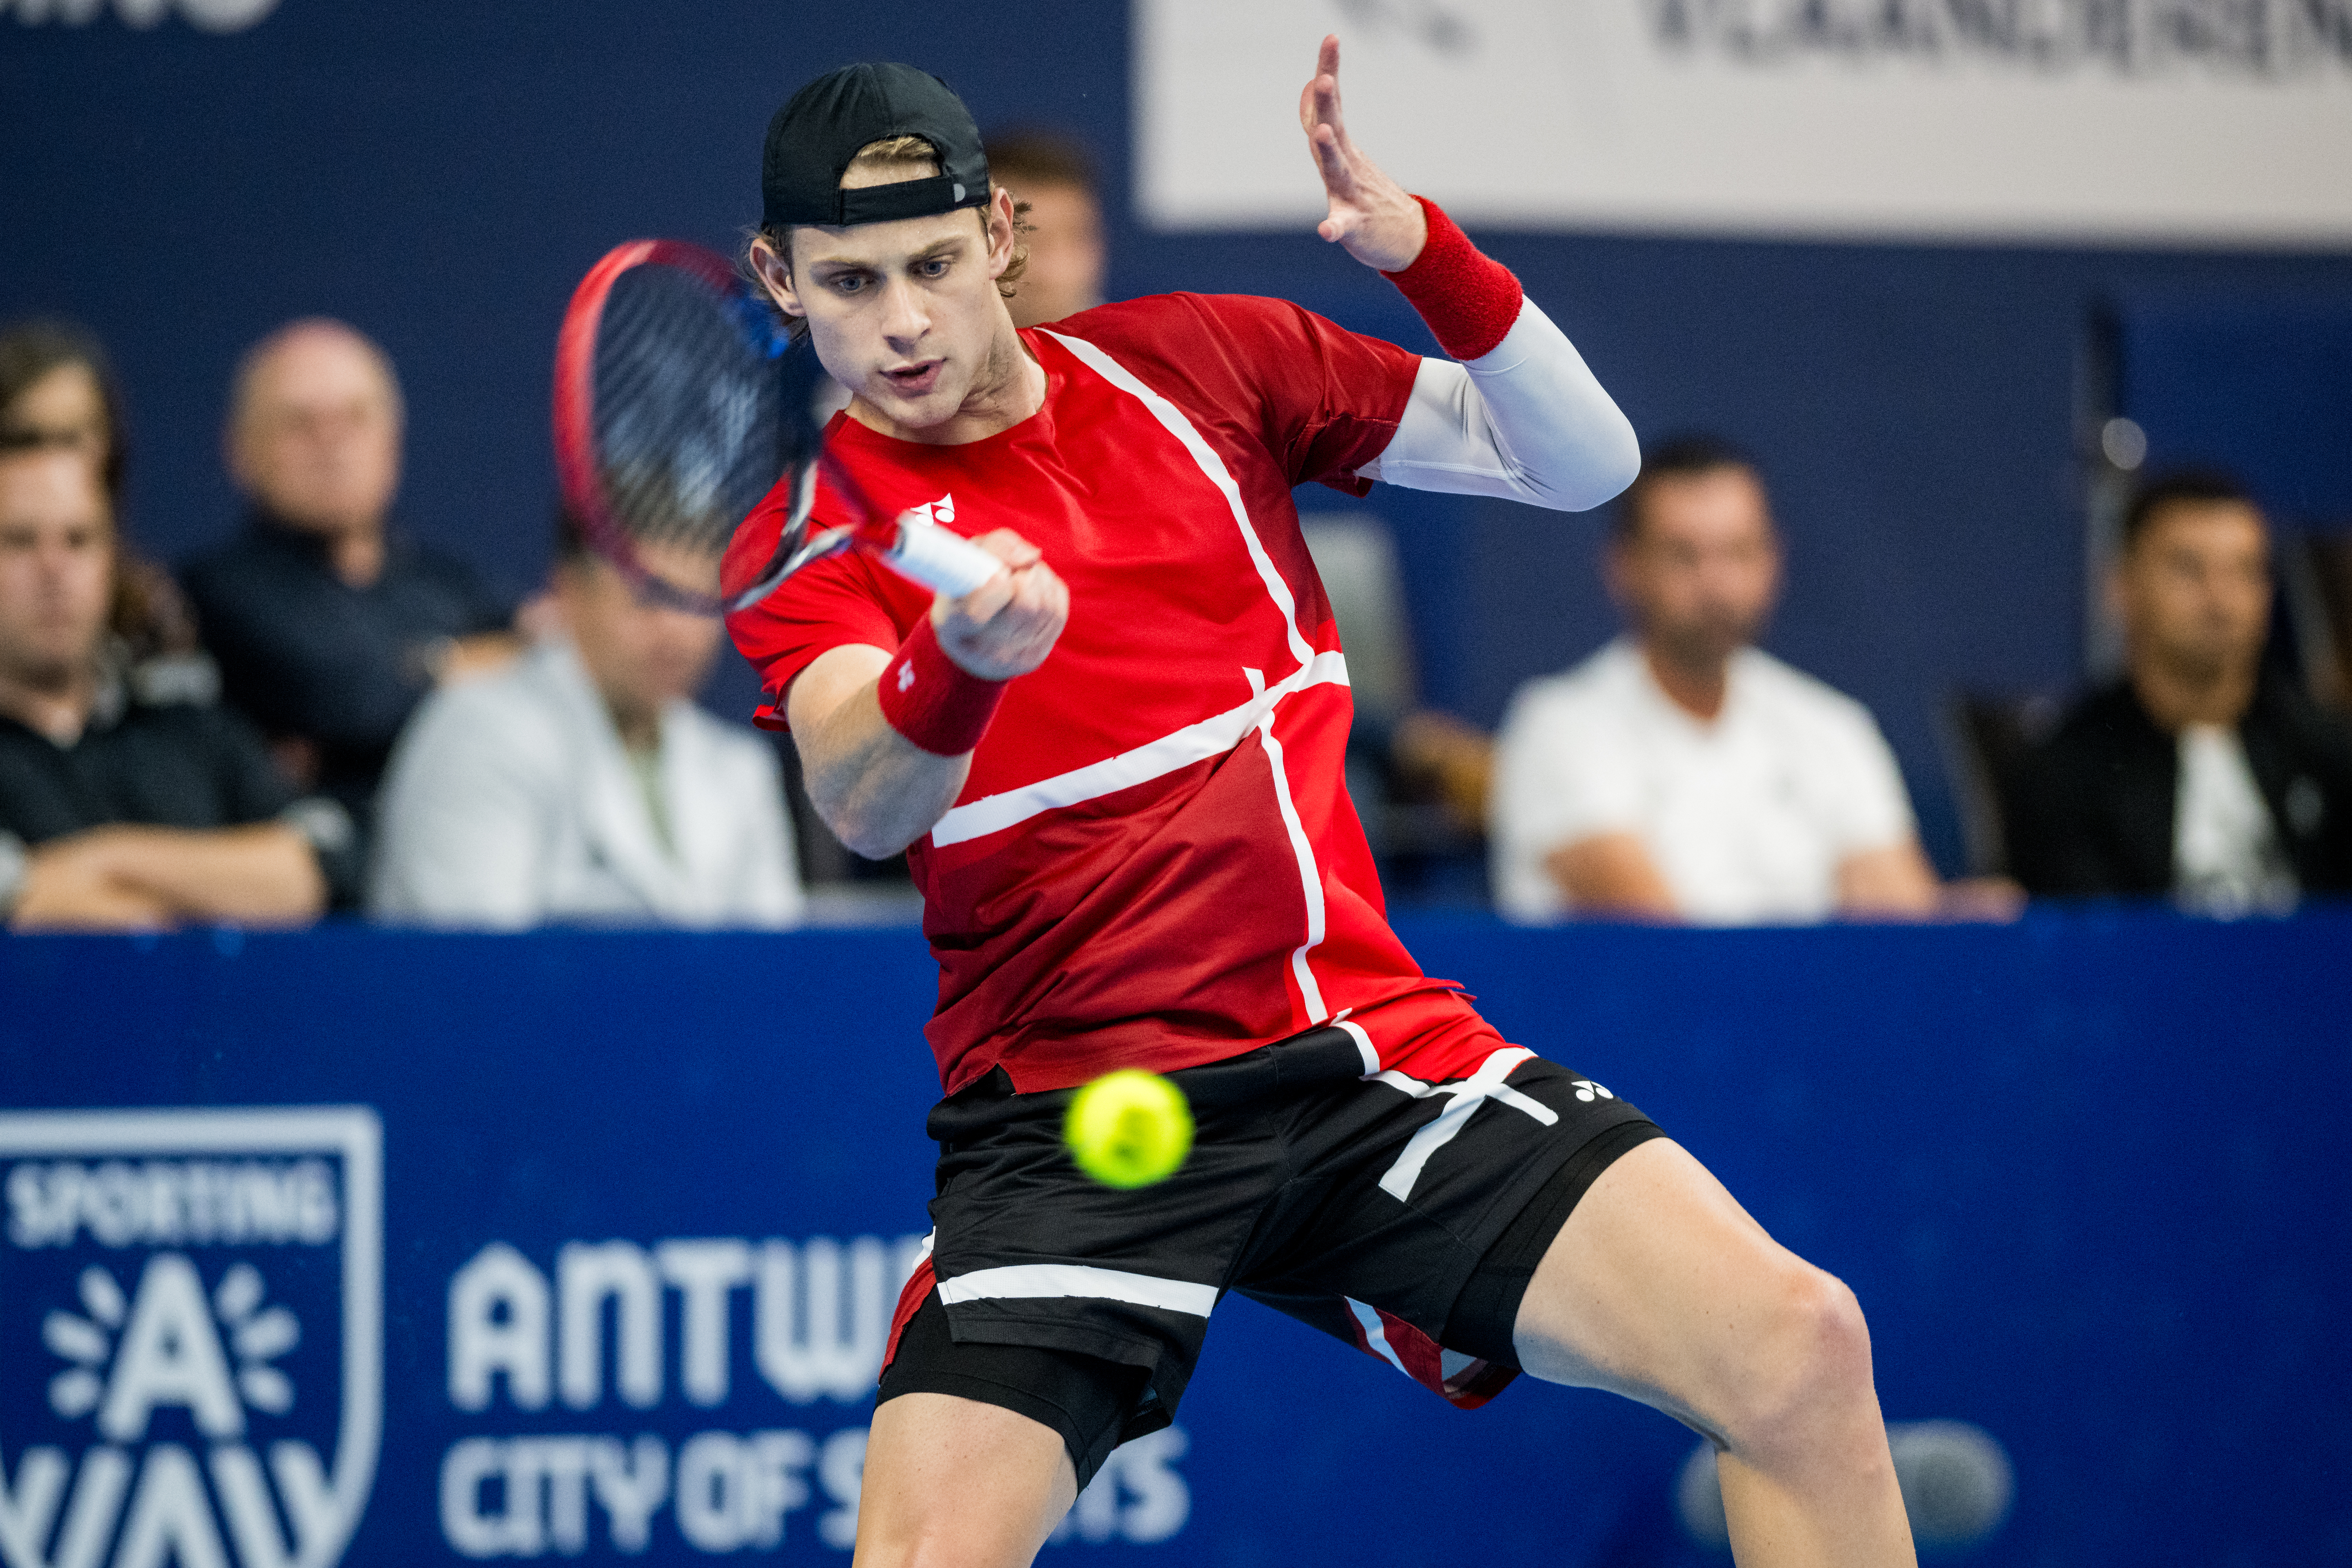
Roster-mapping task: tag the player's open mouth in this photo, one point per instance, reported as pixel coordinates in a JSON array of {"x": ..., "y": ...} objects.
[{"x": 913, "y": 381}]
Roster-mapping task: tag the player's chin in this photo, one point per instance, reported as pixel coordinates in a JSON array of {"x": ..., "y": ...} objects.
[{"x": 935, "y": 403}]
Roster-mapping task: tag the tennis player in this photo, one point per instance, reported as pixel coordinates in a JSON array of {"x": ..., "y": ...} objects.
[{"x": 1117, "y": 770}]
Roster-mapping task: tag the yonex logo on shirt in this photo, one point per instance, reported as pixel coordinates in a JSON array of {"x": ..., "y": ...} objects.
[
  {"x": 1588, "y": 1091},
  {"x": 940, "y": 511},
  {"x": 906, "y": 675}
]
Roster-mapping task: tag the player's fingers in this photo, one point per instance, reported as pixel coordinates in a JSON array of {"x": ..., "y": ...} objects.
[
  {"x": 1315, "y": 118},
  {"x": 983, "y": 603},
  {"x": 1045, "y": 602},
  {"x": 1331, "y": 158},
  {"x": 1040, "y": 596},
  {"x": 1055, "y": 599},
  {"x": 1009, "y": 548}
]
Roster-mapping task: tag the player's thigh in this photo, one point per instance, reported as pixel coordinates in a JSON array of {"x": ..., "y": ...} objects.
[
  {"x": 955, "y": 1483},
  {"x": 1660, "y": 1286}
]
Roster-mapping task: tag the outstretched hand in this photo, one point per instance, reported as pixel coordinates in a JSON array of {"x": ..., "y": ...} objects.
[{"x": 1370, "y": 214}]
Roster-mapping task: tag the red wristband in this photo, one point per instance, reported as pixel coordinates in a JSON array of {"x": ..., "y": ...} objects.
[
  {"x": 931, "y": 699},
  {"x": 1469, "y": 300}
]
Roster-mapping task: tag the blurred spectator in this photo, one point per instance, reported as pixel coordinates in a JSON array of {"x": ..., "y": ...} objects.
[
  {"x": 117, "y": 813},
  {"x": 2201, "y": 774},
  {"x": 1683, "y": 772},
  {"x": 1054, "y": 175},
  {"x": 330, "y": 624},
  {"x": 584, "y": 785},
  {"x": 57, "y": 390}
]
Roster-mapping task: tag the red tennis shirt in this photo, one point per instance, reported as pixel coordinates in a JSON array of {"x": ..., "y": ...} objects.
[{"x": 1154, "y": 862}]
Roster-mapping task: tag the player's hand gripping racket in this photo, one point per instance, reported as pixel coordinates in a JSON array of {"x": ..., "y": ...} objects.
[{"x": 679, "y": 406}]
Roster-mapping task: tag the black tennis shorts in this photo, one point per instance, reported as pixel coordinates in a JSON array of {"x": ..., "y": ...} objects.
[{"x": 1401, "y": 1216}]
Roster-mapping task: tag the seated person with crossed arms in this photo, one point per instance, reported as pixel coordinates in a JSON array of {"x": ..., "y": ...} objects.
[{"x": 117, "y": 813}]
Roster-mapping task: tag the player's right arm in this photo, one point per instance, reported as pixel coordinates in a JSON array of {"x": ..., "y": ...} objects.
[{"x": 876, "y": 788}]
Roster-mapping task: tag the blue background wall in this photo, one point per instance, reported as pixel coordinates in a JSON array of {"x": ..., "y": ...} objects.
[
  {"x": 2085, "y": 1174},
  {"x": 440, "y": 173}
]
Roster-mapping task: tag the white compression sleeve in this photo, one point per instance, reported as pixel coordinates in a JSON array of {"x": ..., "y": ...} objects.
[{"x": 1526, "y": 422}]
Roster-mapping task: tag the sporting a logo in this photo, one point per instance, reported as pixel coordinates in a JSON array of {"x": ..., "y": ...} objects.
[{"x": 191, "y": 1309}]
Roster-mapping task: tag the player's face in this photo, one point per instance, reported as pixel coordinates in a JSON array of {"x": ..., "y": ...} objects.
[
  {"x": 1700, "y": 574},
  {"x": 905, "y": 314},
  {"x": 57, "y": 566},
  {"x": 2195, "y": 590},
  {"x": 641, "y": 656}
]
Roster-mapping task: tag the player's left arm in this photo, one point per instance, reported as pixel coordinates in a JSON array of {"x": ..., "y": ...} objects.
[{"x": 1521, "y": 416}]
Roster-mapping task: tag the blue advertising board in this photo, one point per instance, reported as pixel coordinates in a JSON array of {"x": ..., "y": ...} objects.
[{"x": 378, "y": 1247}]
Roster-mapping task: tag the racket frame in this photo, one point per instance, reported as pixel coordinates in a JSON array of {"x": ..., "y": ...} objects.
[{"x": 931, "y": 556}]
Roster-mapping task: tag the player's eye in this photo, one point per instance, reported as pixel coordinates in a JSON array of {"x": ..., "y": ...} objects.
[{"x": 932, "y": 266}]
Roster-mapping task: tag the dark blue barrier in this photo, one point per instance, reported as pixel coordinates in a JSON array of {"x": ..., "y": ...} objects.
[{"x": 2085, "y": 1173}]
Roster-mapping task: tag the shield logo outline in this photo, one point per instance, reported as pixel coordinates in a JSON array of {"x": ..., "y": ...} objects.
[{"x": 354, "y": 1133}]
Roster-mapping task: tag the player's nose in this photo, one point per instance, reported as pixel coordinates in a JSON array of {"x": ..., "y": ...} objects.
[{"x": 904, "y": 318}]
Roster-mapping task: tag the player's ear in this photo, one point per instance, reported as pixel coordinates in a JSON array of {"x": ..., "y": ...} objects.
[
  {"x": 775, "y": 275},
  {"x": 1004, "y": 233}
]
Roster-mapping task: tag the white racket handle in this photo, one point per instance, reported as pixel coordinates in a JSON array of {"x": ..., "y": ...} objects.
[{"x": 943, "y": 561}]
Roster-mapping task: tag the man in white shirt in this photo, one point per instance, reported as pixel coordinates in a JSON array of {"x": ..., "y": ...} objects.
[
  {"x": 1681, "y": 772},
  {"x": 583, "y": 785}
]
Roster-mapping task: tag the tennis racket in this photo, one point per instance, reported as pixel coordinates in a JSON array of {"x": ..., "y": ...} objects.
[{"x": 681, "y": 405}]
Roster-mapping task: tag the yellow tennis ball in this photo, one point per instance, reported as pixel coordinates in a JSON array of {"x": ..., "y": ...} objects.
[{"x": 1128, "y": 1129}]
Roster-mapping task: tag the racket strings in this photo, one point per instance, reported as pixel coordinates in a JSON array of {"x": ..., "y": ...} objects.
[{"x": 689, "y": 423}]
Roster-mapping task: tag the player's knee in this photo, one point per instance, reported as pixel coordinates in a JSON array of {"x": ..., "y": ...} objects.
[
  {"x": 1809, "y": 1369},
  {"x": 933, "y": 1544}
]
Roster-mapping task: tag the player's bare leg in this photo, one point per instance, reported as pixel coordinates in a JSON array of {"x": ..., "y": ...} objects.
[
  {"x": 1660, "y": 1287},
  {"x": 954, "y": 1483}
]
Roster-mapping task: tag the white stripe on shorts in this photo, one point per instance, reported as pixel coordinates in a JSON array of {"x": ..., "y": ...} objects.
[
  {"x": 1027, "y": 1281},
  {"x": 1484, "y": 1084},
  {"x": 1376, "y": 1333}
]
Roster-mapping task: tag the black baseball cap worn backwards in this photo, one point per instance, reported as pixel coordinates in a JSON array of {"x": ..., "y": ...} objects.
[{"x": 812, "y": 138}]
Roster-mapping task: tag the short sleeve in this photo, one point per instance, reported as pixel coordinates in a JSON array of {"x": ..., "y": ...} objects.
[
  {"x": 1563, "y": 773},
  {"x": 256, "y": 791},
  {"x": 1329, "y": 398},
  {"x": 845, "y": 599},
  {"x": 1867, "y": 805},
  {"x": 252, "y": 789}
]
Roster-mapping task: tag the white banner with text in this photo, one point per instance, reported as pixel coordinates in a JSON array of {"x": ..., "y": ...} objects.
[{"x": 2134, "y": 122}]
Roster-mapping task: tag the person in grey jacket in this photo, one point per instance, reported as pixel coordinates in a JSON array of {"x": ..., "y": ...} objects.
[{"x": 582, "y": 786}]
